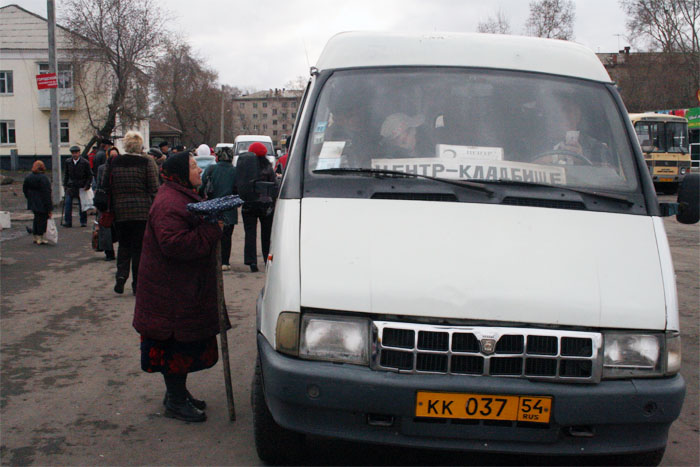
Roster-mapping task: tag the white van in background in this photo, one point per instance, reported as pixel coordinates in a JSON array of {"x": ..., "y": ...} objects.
[
  {"x": 468, "y": 253},
  {"x": 242, "y": 142}
]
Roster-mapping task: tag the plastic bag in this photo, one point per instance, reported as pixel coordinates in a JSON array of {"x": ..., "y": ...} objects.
[
  {"x": 86, "y": 199},
  {"x": 51, "y": 232}
]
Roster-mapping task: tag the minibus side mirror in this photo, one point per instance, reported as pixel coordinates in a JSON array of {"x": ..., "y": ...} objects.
[{"x": 689, "y": 199}]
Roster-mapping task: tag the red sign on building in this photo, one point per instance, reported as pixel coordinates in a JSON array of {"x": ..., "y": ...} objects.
[{"x": 46, "y": 81}]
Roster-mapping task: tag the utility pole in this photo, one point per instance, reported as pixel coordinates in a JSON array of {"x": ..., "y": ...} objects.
[
  {"x": 53, "y": 93},
  {"x": 223, "y": 94}
]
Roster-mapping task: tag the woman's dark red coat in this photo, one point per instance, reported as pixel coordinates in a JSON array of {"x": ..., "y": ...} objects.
[{"x": 176, "y": 296}]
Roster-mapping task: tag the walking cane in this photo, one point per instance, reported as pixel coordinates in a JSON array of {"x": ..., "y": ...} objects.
[
  {"x": 211, "y": 210},
  {"x": 222, "y": 334}
]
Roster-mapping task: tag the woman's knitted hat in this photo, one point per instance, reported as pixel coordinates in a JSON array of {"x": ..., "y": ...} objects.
[
  {"x": 177, "y": 167},
  {"x": 258, "y": 149}
]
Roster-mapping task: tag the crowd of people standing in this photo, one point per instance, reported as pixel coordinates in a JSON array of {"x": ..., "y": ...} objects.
[
  {"x": 135, "y": 178},
  {"x": 168, "y": 251}
]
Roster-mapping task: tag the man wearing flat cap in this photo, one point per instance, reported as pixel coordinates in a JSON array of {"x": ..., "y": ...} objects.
[{"x": 76, "y": 175}]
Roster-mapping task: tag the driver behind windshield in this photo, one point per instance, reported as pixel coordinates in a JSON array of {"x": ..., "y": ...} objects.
[{"x": 576, "y": 141}]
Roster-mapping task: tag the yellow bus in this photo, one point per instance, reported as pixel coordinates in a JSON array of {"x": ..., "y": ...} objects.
[{"x": 664, "y": 141}]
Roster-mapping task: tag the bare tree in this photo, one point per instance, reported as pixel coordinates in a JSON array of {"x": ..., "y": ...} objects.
[
  {"x": 665, "y": 25},
  {"x": 115, "y": 45},
  {"x": 187, "y": 94},
  {"x": 668, "y": 26},
  {"x": 495, "y": 25},
  {"x": 553, "y": 19},
  {"x": 298, "y": 83}
]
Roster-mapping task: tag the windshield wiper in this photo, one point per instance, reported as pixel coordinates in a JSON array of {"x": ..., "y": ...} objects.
[
  {"x": 395, "y": 173},
  {"x": 596, "y": 194}
]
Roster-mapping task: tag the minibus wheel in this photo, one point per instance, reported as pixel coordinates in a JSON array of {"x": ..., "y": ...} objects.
[{"x": 275, "y": 444}]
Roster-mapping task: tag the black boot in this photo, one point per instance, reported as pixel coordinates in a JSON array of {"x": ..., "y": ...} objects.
[
  {"x": 177, "y": 404},
  {"x": 119, "y": 286},
  {"x": 183, "y": 410},
  {"x": 198, "y": 403}
]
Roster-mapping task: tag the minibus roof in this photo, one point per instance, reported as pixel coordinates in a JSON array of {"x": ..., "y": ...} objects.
[
  {"x": 364, "y": 49},
  {"x": 245, "y": 138},
  {"x": 655, "y": 117}
]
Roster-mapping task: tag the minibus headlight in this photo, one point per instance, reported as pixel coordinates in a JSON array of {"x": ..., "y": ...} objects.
[
  {"x": 682, "y": 170},
  {"x": 633, "y": 355},
  {"x": 334, "y": 338}
]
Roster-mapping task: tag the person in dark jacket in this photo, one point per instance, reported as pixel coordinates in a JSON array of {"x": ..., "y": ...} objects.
[
  {"x": 76, "y": 175},
  {"x": 258, "y": 208},
  {"x": 106, "y": 235},
  {"x": 101, "y": 156},
  {"x": 220, "y": 180},
  {"x": 164, "y": 148},
  {"x": 176, "y": 309},
  {"x": 37, "y": 190},
  {"x": 134, "y": 183}
]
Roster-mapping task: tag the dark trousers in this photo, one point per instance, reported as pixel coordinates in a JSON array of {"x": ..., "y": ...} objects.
[
  {"x": 68, "y": 216},
  {"x": 226, "y": 244},
  {"x": 250, "y": 224},
  {"x": 130, "y": 235},
  {"x": 39, "y": 225}
]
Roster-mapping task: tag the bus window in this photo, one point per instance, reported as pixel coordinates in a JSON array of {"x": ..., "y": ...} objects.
[
  {"x": 649, "y": 134},
  {"x": 677, "y": 138}
]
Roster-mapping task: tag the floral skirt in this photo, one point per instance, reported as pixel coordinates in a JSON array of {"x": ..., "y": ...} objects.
[{"x": 178, "y": 358}]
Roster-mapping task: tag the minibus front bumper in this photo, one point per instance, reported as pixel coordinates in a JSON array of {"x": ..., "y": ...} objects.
[{"x": 356, "y": 403}]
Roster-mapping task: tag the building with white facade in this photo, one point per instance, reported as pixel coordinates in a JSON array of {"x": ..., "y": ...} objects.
[{"x": 25, "y": 111}]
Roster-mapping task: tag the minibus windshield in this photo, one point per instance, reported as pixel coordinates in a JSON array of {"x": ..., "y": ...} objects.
[{"x": 466, "y": 124}]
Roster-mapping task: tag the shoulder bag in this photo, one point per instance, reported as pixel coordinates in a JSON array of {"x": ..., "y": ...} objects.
[{"x": 106, "y": 216}]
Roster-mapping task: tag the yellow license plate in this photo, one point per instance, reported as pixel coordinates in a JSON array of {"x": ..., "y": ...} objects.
[
  {"x": 535, "y": 409},
  {"x": 661, "y": 179}
]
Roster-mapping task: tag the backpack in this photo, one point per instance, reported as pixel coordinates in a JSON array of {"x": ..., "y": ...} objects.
[{"x": 247, "y": 173}]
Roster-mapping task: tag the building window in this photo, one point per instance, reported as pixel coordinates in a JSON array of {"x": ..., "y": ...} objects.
[
  {"x": 63, "y": 131},
  {"x": 241, "y": 105},
  {"x": 256, "y": 127},
  {"x": 255, "y": 105},
  {"x": 294, "y": 115},
  {"x": 64, "y": 75},
  {"x": 7, "y": 132},
  {"x": 264, "y": 126},
  {"x": 274, "y": 132},
  {"x": 274, "y": 122},
  {"x": 255, "y": 116},
  {"x": 284, "y": 104},
  {"x": 6, "y": 86},
  {"x": 274, "y": 111},
  {"x": 284, "y": 126},
  {"x": 284, "y": 115},
  {"x": 264, "y": 104},
  {"x": 264, "y": 115}
]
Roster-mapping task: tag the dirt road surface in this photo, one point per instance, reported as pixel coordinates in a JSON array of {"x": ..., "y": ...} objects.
[{"x": 72, "y": 392}]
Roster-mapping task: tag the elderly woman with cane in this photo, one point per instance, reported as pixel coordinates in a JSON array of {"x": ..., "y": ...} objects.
[{"x": 176, "y": 309}]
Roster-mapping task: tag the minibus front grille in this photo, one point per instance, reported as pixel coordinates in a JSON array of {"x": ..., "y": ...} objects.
[{"x": 540, "y": 354}]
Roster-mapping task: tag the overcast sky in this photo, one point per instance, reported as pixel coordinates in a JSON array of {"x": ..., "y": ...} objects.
[{"x": 260, "y": 44}]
